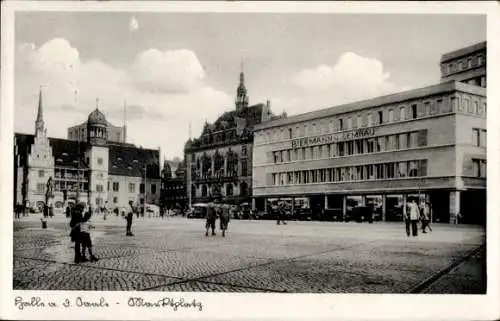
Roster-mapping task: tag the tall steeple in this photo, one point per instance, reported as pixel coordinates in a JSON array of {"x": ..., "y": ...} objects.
[
  {"x": 39, "y": 124},
  {"x": 241, "y": 93}
]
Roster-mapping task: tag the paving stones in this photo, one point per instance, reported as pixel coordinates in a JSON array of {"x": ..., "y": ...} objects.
[
  {"x": 304, "y": 276},
  {"x": 256, "y": 256},
  {"x": 57, "y": 276},
  {"x": 194, "y": 286},
  {"x": 181, "y": 264}
]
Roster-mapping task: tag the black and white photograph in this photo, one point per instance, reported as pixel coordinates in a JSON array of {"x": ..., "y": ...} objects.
[{"x": 234, "y": 152}]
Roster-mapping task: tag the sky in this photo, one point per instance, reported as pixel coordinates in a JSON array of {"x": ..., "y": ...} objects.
[{"x": 174, "y": 70}]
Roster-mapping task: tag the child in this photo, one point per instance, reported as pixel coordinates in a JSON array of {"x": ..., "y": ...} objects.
[{"x": 85, "y": 228}]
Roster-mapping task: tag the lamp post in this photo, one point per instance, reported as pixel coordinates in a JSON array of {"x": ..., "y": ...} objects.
[{"x": 145, "y": 189}]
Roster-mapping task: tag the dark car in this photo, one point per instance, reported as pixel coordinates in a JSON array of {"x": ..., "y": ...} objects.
[
  {"x": 301, "y": 214},
  {"x": 332, "y": 215},
  {"x": 394, "y": 214},
  {"x": 362, "y": 214}
]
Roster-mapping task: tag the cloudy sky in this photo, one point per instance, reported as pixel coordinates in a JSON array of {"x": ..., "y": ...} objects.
[{"x": 179, "y": 68}]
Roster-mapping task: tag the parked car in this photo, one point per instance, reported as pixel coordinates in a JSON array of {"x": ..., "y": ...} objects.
[
  {"x": 198, "y": 210},
  {"x": 394, "y": 214},
  {"x": 361, "y": 214},
  {"x": 152, "y": 210},
  {"x": 332, "y": 215}
]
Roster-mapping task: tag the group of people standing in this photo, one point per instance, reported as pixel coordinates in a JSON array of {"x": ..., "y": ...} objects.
[
  {"x": 216, "y": 210},
  {"x": 414, "y": 214},
  {"x": 81, "y": 225}
]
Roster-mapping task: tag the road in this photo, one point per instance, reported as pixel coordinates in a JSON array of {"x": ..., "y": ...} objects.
[{"x": 256, "y": 256}]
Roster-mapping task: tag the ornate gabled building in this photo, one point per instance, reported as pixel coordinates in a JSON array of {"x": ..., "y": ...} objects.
[
  {"x": 219, "y": 162},
  {"x": 96, "y": 170},
  {"x": 173, "y": 186}
]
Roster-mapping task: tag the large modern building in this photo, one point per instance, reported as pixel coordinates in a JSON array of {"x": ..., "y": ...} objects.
[
  {"x": 95, "y": 170},
  {"x": 428, "y": 143},
  {"x": 219, "y": 162},
  {"x": 466, "y": 65}
]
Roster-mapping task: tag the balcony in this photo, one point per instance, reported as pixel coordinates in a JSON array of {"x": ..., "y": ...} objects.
[{"x": 211, "y": 179}]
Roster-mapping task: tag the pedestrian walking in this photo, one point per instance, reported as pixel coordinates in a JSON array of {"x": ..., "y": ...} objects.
[
  {"x": 426, "y": 217},
  {"x": 76, "y": 219},
  {"x": 210, "y": 219},
  {"x": 224, "y": 218},
  {"x": 68, "y": 210},
  {"x": 281, "y": 214},
  {"x": 17, "y": 210},
  {"x": 129, "y": 218},
  {"x": 414, "y": 215}
]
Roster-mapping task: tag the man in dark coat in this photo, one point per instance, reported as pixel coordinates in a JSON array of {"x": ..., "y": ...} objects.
[
  {"x": 210, "y": 219},
  {"x": 76, "y": 220},
  {"x": 130, "y": 217},
  {"x": 281, "y": 213}
]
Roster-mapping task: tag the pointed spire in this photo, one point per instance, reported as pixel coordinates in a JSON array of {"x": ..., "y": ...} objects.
[
  {"x": 124, "y": 129},
  {"x": 97, "y": 103},
  {"x": 39, "y": 124},
  {"x": 242, "y": 74},
  {"x": 241, "y": 93},
  {"x": 39, "y": 116}
]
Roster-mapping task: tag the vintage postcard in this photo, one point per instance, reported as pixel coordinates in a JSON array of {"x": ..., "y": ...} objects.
[{"x": 232, "y": 160}]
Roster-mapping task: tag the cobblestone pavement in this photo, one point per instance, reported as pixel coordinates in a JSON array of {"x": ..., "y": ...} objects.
[{"x": 173, "y": 254}]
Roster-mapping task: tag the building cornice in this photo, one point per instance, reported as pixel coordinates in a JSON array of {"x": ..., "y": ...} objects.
[
  {"x": 377, "y": 102},
  {"x": 463, "y": 52}
]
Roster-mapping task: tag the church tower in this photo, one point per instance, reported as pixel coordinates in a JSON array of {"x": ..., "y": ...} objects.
[
  {"x": 39, "y": 123},
  {"x": 241, "y": 93},
  {"x": 40, "y": 162},
  {"x": 97, "y": 155}
]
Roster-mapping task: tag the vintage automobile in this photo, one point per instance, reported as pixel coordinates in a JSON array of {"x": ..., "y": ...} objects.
[{"x": 198, "y": 210}]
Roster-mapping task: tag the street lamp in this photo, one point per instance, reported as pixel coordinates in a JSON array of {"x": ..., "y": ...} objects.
[
  {"x": 145, "y": 190},
  {"x": 77, "y": 180}
]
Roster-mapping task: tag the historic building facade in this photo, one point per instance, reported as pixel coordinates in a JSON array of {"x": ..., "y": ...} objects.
[
  {"x": 173, "y": 186},
  {"x": 429, "y": 143},
  {"x": 219, "y": 162},
  {"x": 115, "y": 133},
  {"x": 97, "y": 171}
]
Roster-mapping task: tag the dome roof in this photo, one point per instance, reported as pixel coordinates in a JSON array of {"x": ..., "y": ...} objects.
[{"x": 97, "y": 118}]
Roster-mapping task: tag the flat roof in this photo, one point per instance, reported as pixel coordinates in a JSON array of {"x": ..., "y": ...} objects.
[
  {"x": 463, "y": 51},
  {"x": 376, "y": 102}
]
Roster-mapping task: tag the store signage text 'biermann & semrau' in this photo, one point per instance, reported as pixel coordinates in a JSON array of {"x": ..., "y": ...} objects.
[{"x": 332, "y": 138}]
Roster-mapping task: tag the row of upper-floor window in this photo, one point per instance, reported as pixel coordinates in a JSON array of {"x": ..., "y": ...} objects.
[
  {"x": 476, "y": 81},
  {"x": 60, "y": 186},
  {"x": 229, "y": 190},
  {"x": 479, "y": 137},
  {"x": 413, "y": 168},
  {"x": 374, "y": 118},
  {"x": 198, "y": 158},
  {"x": 479, "y": 168},
  {"x": 384, "y": 143},
  {"x": 131, "y": 187},
  {"x": 228, "y": 171},
  {"x": 463, "y": 64}
]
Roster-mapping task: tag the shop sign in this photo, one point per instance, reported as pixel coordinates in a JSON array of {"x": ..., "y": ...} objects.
[{"x": 333, "y": 138}]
